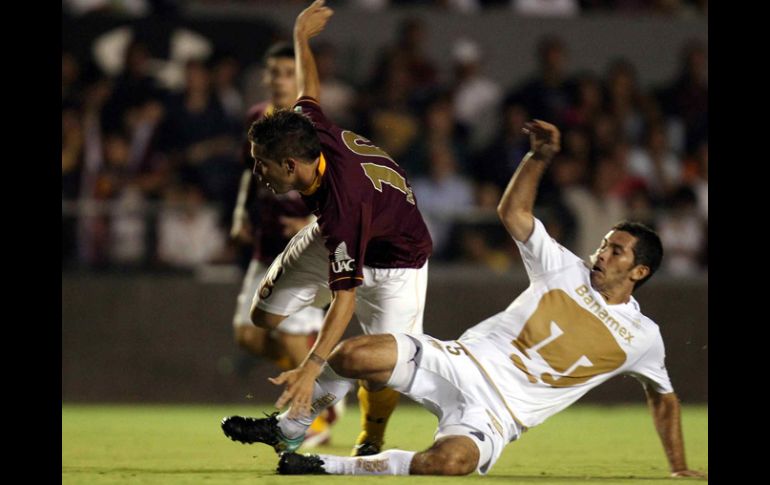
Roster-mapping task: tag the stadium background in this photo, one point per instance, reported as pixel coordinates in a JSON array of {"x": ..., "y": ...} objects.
[{"x": 146, "y": 318}]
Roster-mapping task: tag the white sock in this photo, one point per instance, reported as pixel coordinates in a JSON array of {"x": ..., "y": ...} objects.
[
  {"x": 390, "y": 462},
  {"x": 329, "y": 388}
]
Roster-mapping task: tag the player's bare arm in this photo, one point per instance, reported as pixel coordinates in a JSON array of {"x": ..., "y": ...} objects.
[
  {"x": 299, "y": 381},
  {"x": 240, "y": 230},
  {"x": 667, "y": 418},
  {"x": 310, "y": 22},
  {"x": 516, "y": 205}
]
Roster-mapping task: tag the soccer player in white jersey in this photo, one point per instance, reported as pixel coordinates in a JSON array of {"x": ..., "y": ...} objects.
[{"x": 573, "y": 328}]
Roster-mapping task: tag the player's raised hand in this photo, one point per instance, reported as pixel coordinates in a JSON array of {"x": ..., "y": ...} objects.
[
  {"x": 544, "y": 138},
  {"x": 311, "y": 21}
]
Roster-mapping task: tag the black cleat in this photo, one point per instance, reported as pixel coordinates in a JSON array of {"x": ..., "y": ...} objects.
[
  {"x": 367, "y": 448},
  {"x": 296, "y": 464},
  {"x": 259, "y": 430}
]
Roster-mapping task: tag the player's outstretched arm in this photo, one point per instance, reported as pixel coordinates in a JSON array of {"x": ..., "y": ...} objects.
[
  {"x": 516, "y": 205},
  {"x": 299, "y": 381},
  {"x": 240, "y": 230},
  {"x": 310, "y": 22},
  {"x": 666, "y": 415}
]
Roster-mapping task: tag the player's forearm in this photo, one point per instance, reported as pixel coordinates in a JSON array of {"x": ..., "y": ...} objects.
[
  {"x": 308, "y": 83},
  {"x": 243, "y": 192},
  {"x": 337, "y": 318},
  {"x": 666, "y": 414},
  {"x": 518, "y": 201}
]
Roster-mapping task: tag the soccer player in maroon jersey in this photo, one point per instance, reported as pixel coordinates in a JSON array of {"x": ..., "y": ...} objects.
[
  {"x": 277, "y": 218},
  {"x": 370, "y": 245}
]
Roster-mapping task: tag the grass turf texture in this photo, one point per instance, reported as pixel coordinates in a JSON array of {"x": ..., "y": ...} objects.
[{"x": 184, "y": 444}]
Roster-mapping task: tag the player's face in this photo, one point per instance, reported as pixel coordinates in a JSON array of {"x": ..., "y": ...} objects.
[
  {"x": 280, "y": 80},
  {"x": 613, "y": 261},
  {"x": 273, "y": 174}
]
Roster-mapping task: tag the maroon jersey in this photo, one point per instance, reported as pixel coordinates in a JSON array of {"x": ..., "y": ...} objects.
[
  {"x": 265, "y": 207},
  {"x": 365, "y": 206}
]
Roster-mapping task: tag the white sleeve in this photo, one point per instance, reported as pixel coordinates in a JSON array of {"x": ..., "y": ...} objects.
[
  {"x": 650, "y": 370},
  {"x": 541, "y": 253}
]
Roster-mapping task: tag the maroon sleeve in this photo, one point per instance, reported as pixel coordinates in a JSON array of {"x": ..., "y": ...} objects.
[
  {"x": 346, "y": 240},
  {"x": 310, "y": 108}
]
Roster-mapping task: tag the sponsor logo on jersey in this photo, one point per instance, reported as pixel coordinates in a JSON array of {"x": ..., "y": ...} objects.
[
  {"x": 601, "y": 312},
  {"x": 342, "y": 261}
]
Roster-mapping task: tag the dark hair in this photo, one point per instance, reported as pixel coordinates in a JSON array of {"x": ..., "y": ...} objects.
[
  {"x": 285, "y": 134},
  {"x": 279, "y": 49},
  {"x": 648, "y": 249}
]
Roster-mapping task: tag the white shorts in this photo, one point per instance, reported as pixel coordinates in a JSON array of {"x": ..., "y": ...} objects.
[
  {"x": 390, "y": 300},
  {"x": 307, "y": 321},
  {"x": 441, "y": 377}
]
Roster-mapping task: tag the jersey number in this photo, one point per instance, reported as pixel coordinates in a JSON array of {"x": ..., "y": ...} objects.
[
  {"x": 573, "y": 342},
  {"x": 377, "y": 174}
]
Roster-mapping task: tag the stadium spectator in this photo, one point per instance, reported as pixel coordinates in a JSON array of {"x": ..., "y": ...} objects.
[
  {"x": 686, "y": 97},
  {"x": 476, "y": 97},
  {"x": 497, "y": 161},
  {"x": 547, "y": 8},
  {"x": 134, "y": 86},
  {"x": 683, "y": 234},
  {"x": 588, "y": 102},
  {"x": 201, "y": 138},
  {"x": 698, "y": 178},
  {"x": 623, "y": 100},
  {"x": 189, "y": 234},
  {"x": 438, "y": 130},
  {"x": 225, "y": 71},
  {"x": 654, "y": 162},
  {"x": 595, "y": 205},
  {"x": 339, "y": 96},
  {"x": 442, "y": 194},
  {"x": 546, "y": 94}
]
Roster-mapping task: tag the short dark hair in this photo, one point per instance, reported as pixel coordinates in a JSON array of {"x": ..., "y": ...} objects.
[
  {"x": 279, "y": 49},
  {"x": 286, "y": 134},
  {"x": 648, "y": 249}
]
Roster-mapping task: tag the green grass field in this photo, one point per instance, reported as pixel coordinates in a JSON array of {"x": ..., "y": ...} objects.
[{"x": 183, "y": 444}]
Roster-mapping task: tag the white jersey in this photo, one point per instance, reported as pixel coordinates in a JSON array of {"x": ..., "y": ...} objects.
[{"x": 559, "y": 338}]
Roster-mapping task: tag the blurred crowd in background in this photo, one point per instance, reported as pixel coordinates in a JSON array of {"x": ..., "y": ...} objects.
[
  {"x": 151, "y": 157},
  {"x": 552, "y": 8}
]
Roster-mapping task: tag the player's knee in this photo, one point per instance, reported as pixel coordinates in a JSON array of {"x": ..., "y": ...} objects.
[
  {"x": 348, "y": 355},
  {"x": 250, "y": 338},
  {"x": 458, "y": 463},
  {"x": 444, "y": 462},
  {"x": 263, "y": 319}
]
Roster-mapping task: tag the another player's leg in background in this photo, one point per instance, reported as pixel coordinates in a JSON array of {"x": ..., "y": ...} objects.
[{"x": 249, "y": 337}]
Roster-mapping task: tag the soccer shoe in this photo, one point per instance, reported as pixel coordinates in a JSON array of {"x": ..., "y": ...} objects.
[
  {"x": 259, "y": 430},
  {"x": 367, "y": 448},
  {"x": 296, "y": 464}
]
